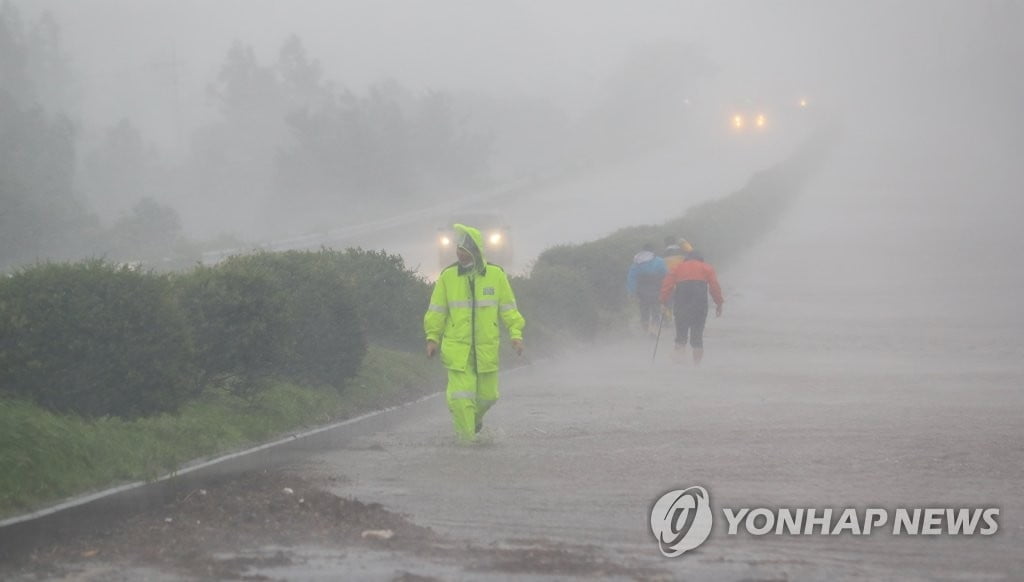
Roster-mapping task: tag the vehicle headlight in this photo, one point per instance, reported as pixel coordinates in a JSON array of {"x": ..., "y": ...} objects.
[
  {"x": 495, "y": 238},
  {"x": 737, "y": 121},
  {"x": 761, "y": 120},
  {"x": 445, "y": 241}
]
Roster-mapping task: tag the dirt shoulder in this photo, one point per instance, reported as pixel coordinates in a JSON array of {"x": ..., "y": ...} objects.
[{"x": 257, "y": 523}]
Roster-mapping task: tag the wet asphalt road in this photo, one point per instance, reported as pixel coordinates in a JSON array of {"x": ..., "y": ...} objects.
[
  {"x": 785, "y": 412},
  {"x": 863, "y": 361},
  {"x": 788, "y": 410}
]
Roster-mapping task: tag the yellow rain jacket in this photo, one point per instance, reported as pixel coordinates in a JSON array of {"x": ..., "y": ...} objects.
[{"x": 465, "y": 307}]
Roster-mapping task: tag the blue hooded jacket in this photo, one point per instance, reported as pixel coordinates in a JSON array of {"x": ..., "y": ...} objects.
[{"x": 645, "y": 275}]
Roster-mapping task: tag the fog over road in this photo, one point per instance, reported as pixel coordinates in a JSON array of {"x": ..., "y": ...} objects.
[
  {"x": 576, "y": 206},
  {"x": 650, "y": 189},
  {"x": 851, "y": 369}
]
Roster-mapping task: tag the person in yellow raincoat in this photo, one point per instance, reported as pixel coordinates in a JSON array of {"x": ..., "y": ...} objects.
[{"x": 469, "y": 298}]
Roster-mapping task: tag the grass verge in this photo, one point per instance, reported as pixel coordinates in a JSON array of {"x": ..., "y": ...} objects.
[{"x": 45, "y": 457}]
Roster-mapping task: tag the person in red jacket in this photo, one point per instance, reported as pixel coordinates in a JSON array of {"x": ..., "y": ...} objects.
[{"x": 685, "y": 288}]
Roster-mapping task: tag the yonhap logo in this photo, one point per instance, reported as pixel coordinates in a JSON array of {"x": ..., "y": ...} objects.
[{"x": 681, "y": 520}]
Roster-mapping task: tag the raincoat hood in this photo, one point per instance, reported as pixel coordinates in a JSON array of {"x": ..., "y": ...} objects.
[
  {"x": 673, "y": 251},
  {"x": 643, "y": 257},
  {"x": 470, "y": 240}
]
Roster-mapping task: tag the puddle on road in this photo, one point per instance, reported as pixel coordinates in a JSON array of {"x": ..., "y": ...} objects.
[{"x": 310, "y": 563}]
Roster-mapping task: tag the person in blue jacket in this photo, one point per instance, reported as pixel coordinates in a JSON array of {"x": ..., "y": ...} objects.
[{"x": 644, "y": 284}]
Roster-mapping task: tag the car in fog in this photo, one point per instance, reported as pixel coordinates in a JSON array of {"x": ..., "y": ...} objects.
[
  {"x": 493, "y": 229},
  {"x": 749, "y": 121},
  {"x": 752, "y": 118}
]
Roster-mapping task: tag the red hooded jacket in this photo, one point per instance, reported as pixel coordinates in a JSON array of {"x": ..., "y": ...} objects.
[{"x": 692, "y": 270}]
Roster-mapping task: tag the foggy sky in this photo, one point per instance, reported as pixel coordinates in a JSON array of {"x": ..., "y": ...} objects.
[
  {"x": 927, "y": 91},
  {"x": 560, "y": 50}
]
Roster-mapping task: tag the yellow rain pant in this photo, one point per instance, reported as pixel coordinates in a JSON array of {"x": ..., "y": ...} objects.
[{"x": 470, "y": 395}]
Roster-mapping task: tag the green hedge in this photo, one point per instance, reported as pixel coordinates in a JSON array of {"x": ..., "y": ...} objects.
[
  {"x": 558, "y": 301},
  {"x": 238, "y": 324},
  {"x": 93, "y": 339},
  {"x": 390, "y": 298},
  {"x": 285, "y": 315},
  {"x": 96, "y": 339}
]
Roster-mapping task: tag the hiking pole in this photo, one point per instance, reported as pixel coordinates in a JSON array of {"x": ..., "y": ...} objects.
[{"x": 661, "y": 320}]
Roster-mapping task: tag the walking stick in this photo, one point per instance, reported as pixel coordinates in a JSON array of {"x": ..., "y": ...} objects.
[{"x": 661, "y": 320}]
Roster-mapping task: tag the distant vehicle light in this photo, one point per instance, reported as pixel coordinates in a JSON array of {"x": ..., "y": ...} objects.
[
  {"x": 497, "y": 240},
  {"x": 803, "y": 103},
  {"x": 737, "y": 121},
  {"x": 761, "y": 121}
]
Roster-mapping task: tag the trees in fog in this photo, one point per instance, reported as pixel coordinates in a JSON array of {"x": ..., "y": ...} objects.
[
  {"x": 117, "y": 171},
  {"x": 45, "y": 208},
  {"x": 287, "y": 151},
  {"x": 39, "y": 215},
  {"x": 34, "y": 71},
  {"x": 355, "y": 152},
  {"x": 290, "y": 147},
  {"x": 150, "y": 231}
]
